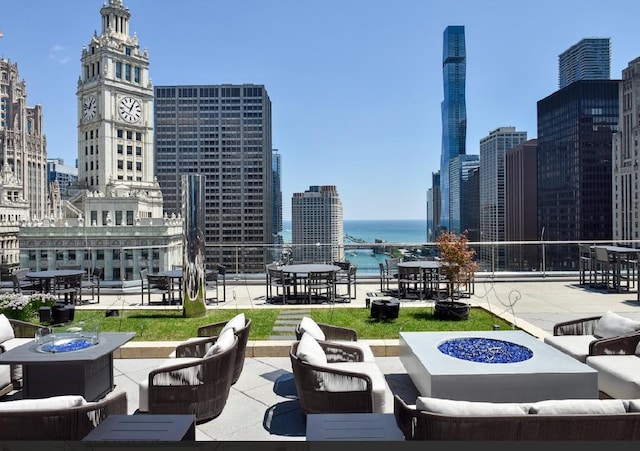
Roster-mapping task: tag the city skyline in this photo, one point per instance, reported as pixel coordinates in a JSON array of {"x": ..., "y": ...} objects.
[{"x": 356, "y": 86}]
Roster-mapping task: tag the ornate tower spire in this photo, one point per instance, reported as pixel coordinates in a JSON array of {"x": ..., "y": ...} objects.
[{"x": 115, "y": 18}]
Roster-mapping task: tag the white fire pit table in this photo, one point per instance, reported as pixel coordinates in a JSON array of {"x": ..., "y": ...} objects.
[{"x": 493, "y": 366}]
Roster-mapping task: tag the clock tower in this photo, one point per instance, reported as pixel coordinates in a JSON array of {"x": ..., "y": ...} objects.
[{"x": 115, "y": 107}]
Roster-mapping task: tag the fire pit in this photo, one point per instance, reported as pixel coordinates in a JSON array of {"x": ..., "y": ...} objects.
[
  {"x": 486, "y": 350},
  {"x": 74, "y": 337}
]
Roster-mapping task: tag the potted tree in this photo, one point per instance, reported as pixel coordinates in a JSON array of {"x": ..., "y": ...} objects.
[{"x": 458, "y": 267}]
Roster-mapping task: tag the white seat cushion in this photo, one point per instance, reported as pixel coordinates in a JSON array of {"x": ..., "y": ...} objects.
[
  {"x": 189, "y": 340},
  {"x": 382, "y": 395},
  {"x": 143, "y": 385},
  {"x": 618, "y": 375},
  {"x": 54, "y": 402},
  {"x": 6, "y": 329},
  {"x": 310, "y": 351},
  {"x": 16, "y": 368},
  {"x": 612, "y": 325},
  {"x": 454, "y": 407},
  {"x": 236, "y": 323},
  {"x": 311, "y": 327},
  {"x": 578, "y": 406},
  {"x": 577, "y": 346},
  {"x": 224, "y": 342}
]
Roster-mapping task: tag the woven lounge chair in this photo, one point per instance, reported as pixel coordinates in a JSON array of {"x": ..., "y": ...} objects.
[
  {"x": 242, "y": 332},
  {"x": 191, "y": 383}
]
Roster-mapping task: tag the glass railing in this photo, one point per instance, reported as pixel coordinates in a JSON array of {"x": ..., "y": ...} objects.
[{"x": 123, "y": 264}]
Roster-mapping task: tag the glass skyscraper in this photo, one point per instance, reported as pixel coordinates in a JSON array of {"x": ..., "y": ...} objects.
[
  {"x": 454, "y": 119},
  {"x": 589, "y": 59}
]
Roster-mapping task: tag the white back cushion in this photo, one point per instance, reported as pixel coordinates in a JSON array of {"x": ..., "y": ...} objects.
[
  {"x": 454, "y": 407},
  {"x": 236, "y": 323},
  {"x": 310, "y": 351},
  {"x": 611, "y": 325},
  {"x": 6, "y": 331},
  {"x": 224, "y": 341},
  {"x": 578, "y": 406},
  {"x": 311, "y": 327},
  {"x": 55, "y": 402}
]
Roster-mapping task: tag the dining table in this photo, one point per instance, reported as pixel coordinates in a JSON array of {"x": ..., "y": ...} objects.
[
  {"x": 176, "y": 276},
  {"x": 430, "y": 274},
  {"x": 300, "y": 271},
  {"x": 47, "y": 278},
  {"x": 624, "y": 265}
]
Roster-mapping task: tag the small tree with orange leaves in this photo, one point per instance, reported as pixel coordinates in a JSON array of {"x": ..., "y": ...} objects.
[{"x": 457, "y": 260}]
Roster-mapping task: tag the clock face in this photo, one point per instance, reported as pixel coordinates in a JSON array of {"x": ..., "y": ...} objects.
[
  {"x": 130, "y": 109},
  {"x": 89, "y": 108}
]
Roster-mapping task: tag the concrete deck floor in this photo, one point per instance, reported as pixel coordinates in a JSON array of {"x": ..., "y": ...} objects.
[{"x": 262, "y": 404}]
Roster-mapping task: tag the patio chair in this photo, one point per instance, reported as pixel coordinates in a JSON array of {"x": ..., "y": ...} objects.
[
  {"x": 23, "y": 285},
  {"x": 321, "y": 284},
  {"x": 195, "y": 382},
  {"x": 155, "y": 284},
  {"x": 68, "y": 288},
  {"x": 410, "y": 282},
  {"x": 241, "y": 327},
  {"x": 347, "y": 277},
  {"x": 333, "y": 378},
  {"x": 91, "y": 281},
  {"x": 337, "y": 334},
  {"x": 280, "y": 281}
]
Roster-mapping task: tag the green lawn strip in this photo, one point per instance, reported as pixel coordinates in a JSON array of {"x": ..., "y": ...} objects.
[{"x": 162, "y": 325}]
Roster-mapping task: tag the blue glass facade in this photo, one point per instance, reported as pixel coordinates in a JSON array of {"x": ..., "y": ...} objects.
[{"x": 454, "y": 118}]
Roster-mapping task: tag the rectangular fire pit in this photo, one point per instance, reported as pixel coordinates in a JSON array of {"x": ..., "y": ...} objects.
[
  {"x": 547, "y": 374},
  {"x": 87, "y": 372}
]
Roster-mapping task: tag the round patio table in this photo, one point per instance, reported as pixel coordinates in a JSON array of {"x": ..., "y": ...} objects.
[
  {"x": 45, "y": 277},
  {"x": 300, "y": 271}
]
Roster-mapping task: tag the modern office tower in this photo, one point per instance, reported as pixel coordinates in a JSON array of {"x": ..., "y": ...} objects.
[
  {"x": 575, "y": 129},
  {"x": 459, "y": 168},
  {"x": 521, "y": 190},
  {"x": 469, "y": 197},
  {"x": 434, "y": 207},
  {"x": 224, "y": 133},
  {"x": 626, "y": 206},
  {"x": 114, "y": 218},
  {"x": 471, "y": 204},
  {"x": 64, "y": 175},
  {"x": 276, "y": 166},
  {"x": 454, "y": 117},
  {"x": 317, "y": 233},
  {"x": 23, "y": 145},
  {"x": 589, "y": 59},
  {"x": 492, "y": 194}
]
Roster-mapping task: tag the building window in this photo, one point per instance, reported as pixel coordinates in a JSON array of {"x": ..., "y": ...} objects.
[
  {"x": 127, "y": 72},
  {"x": 118, "y": 69},
  {"x": 136, "y": 74}
]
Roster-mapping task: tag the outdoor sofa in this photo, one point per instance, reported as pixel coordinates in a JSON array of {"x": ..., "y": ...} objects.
[
  {"x": 565, "y": 419},
  {"x": 67, "y": 417},
  {"x": 13, "y": 333},
  {"x": 579, "y": 337}
]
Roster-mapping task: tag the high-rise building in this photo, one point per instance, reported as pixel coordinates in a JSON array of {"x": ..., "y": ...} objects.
[
  {"x": 114, "y": 217},
  {"x": 492, "y": 193},
  {"x": 589, "y": 59},
  {"x": 224, "y": 133},
  {"x": 626, "y": 203},
  {"x": 575, "y": 130},
  {"x": 434, "y": 203},
  {"x": 469, "y": 196},
  {"x": 521, "y": 189},
  {"x": 459, "y": 168},
  {"x": 23, "y": 145},
  {"x": 278, "y": 240},
  {"x": 454, "y": 118},
  {"x": 317, "y": 227},
  {"x": 61, "y": 173}
]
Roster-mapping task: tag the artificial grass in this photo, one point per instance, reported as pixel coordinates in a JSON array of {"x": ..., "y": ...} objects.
[{"x": 163, "y": 325}]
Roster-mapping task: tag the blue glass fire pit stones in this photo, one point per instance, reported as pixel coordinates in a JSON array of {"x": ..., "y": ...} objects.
[{"x": 485, "y": 350}]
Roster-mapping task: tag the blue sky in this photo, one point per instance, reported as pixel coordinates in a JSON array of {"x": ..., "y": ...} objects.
[{"x": 355, "y": 85}]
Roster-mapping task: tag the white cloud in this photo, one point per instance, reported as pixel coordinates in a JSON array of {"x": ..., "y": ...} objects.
[{"x": 58, "y": 54}]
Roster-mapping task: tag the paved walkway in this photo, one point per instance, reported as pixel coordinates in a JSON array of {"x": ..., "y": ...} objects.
[{"x": 262, "y": 405}]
